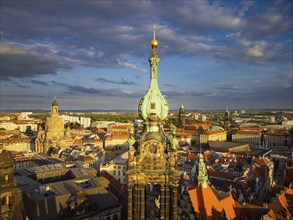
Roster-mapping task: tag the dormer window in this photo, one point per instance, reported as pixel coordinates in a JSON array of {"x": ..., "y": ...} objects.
[{"x": 153, "y": 105}]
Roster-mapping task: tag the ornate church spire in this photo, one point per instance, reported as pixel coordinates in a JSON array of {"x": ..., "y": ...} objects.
[
  {"x": 152, "y": 158},
  {"x": 153, "y": 107},
  {"x": 202, "y": 176}
]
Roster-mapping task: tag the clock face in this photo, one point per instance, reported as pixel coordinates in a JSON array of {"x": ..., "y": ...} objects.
[{"x": 152, "y": 147}]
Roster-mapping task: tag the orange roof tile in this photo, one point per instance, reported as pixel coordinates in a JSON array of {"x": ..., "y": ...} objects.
[
  {"x": 249, "y": 131},
  {"x": 209, "y": 132},
  {"x": 204, "y": 201},
  {"x": 277, "y": 132},
  {"x": 117, "y": 136}
]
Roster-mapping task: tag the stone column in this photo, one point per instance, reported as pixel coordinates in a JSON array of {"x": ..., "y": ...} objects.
[
  {"x": 174, "y": 202},
  {"x": 129, "y": 201},
  {"x": 136, "y": 201},
  {"x": 162, "y": 202},
  {"x": 167, "y": 202},
  {"x": 142, "y": 202}
]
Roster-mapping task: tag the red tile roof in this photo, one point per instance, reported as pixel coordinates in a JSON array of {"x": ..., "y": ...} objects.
[
  {"x": 278, "y": 132},
  {"x": 205, "y": 202}
]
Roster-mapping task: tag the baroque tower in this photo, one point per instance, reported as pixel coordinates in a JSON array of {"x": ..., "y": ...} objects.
[
  {"x": 53, "y": 133},
  {"x": 181, "y": 117},
  {"x": 152, "y": 164}
]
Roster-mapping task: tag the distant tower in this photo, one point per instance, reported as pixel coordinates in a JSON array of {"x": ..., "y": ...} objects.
[
  {"x": 152, "y": 165},
  {"x": 7, "y": 186},
  {"x": 227, "y": 119},
  {"x": 54, "y": 107},
  {"x": 202, "y": 176},
  {"x": 54, "y": 125},
  {"x": 53, "y": 133},
  {"x": 181, "y": 117}
]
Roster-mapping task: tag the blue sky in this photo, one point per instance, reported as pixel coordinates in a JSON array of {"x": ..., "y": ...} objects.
[{"x": 94, "y": 54}]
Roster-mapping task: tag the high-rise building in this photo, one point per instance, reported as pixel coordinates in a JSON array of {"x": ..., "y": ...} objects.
[{"x": 152, "y": 174}]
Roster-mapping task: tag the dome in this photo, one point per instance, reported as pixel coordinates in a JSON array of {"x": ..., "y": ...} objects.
[
  {"x": 153, "y": 106},
  {"x": 54, "y": 103},
  {"x": 214, "y": 128}
]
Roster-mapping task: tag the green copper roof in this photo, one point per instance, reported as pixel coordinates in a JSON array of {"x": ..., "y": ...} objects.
[
  {"x": 153, "y": 106},
  {"x": 202, "y": 176}
]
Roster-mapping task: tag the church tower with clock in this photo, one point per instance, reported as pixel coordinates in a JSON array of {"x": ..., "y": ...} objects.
[{"x": 152, "y": 165}]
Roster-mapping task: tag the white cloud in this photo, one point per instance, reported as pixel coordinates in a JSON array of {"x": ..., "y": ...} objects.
[{"x": 256, "y": 51}]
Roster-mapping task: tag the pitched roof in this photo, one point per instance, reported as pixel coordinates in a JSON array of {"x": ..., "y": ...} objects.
[
  {"x": 282, "y": 204},
  {"x": 277, "y": 132},
  {"x": 206, "y": 201}
]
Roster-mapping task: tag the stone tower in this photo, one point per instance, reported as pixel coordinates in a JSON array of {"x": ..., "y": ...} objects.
[
  {"x": 181, "y": 117},
  {"x": 152, "y": 165},
  {"x": 7, "y": 186}
]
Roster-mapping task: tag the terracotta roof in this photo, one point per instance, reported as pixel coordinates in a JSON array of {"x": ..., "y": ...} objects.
[
  {"x": 209, "y": 132},
  {"x": 205, "y": 202},
  {"x": 185, "y": 131},
  {"x": 277, "y": 132},
  {"x": 223, "y": 175},
  {"x": 15, "y": 139},
  {"x": 120, "y": 126},
  {"x": 282, "y": 204},
  {"x": 4, "y": 133},
  {"x": 192, "y": 156},
  {"x": 262, "y": 161},
  {"x": 249, "y": 131},
  {"x": 117, "y": 136},
  {"x": 183, "y": 135},
  {"x": 100, "y": 130}
]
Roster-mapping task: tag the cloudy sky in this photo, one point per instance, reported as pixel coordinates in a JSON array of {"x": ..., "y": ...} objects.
[{"x": 94, "y": 54}]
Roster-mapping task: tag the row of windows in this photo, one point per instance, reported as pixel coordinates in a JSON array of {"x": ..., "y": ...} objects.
[
  {"x": 119, "y": 167},
  {"x": 119, "y": 173}
]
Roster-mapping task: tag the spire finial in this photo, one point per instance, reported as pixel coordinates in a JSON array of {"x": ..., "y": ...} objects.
[{"x": 154, "y": 42}]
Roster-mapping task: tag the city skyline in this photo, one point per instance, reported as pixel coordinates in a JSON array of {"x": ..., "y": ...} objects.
[{"x": 94, "y": 54}]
